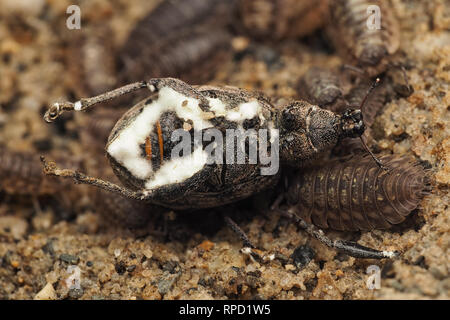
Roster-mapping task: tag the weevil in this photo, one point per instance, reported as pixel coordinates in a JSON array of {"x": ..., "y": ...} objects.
[
  {"x": 286, "y": 121},
  {"x": 140, "y": 145}
]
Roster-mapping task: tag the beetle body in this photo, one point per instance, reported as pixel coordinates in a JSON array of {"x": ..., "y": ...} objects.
[
  {"x": 146, "y": 156},
  {"x": 140, "y": 145}
]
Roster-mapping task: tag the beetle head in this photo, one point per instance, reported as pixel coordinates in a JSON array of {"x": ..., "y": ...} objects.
[
  {"x": 352, "y": 123},
  {"x": 307, "y": 130}
]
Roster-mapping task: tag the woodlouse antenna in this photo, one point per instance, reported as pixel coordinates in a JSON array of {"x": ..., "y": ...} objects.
[
  {"x": 353, "y": 68},
  {"x": 363, "y": 102},
  {"x": 409, "y": 89}
]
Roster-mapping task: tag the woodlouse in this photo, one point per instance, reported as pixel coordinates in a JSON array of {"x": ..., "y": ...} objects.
[
  {"x": 357, "y": 194},
  {"x": 277, "y": 19},
  {"x": 367, "y": 48},
  {"x": 91, "y": 60},
  {"x": 322, "y": 87},
  {"x": 177, "y": 39},
  {"x": 21, "y": 173}
]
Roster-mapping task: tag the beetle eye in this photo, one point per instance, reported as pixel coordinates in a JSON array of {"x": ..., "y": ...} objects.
[{"x": 289, "y": 121}]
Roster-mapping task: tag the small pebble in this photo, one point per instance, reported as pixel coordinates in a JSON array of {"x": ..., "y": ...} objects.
[
  {"x": 46, "y": 293},
  {"x": 70, "y": 259}
]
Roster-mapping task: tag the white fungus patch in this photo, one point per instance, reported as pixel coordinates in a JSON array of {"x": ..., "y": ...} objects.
[
  {"x": 125, "y": 148},
  {"x": 179, "y": 169},
  {"x": 244, "y": 111},
  {"x": 389, "y": 254},
  {"x": 217, "y": 106},
  {"x": 77, "y": 106}
]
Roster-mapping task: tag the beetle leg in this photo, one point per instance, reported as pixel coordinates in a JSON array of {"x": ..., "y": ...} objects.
[
  {"x": 245, "y": 240},
  {"x": 81, "y": 105},
  {"x": 50, "y": 168}
]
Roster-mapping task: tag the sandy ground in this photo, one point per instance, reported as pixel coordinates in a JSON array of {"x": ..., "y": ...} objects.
[{"x": 198, "y": 256}]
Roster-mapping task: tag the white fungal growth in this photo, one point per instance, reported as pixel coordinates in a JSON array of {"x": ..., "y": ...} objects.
[
  {"x": 217, "y": 106},
  {"x": 389, "y": 254},
  {"x": 178, "y": 169},
  {"x": 77, "y": 106},
  {"x": 244, "y": 111},
  {"x": 125, "y": 148}
]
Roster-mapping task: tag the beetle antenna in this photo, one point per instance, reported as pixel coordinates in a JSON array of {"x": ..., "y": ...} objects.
[
  {"x": 369, "y": 91},
  {"x": 377, "y": 161}
]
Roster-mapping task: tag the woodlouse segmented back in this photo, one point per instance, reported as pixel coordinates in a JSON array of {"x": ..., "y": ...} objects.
[
  {"x": 276, "y": 19},
  {"x": 21, "y": 173},
  {"x": 91, "y": 62},
  {"x": 182, "y": 39},
  {"x": 357, "y": 194},
  {"x": 323, "y": 88},
  {"x": 355, "y": 41}
]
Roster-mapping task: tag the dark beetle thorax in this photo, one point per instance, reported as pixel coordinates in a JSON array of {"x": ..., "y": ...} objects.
[{"x": 306, "y": 132}]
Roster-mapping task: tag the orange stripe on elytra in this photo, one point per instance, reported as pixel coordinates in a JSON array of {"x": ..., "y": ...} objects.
[
  {"x": 148, "y": 148},
  {"x": 160, "y": 140}
]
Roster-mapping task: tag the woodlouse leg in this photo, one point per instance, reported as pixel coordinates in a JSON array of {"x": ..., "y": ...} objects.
[
  {"x": 404, "y": 90},
  {"x": 50, "y": 168},
  {"x": 350, "y": 248}
]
